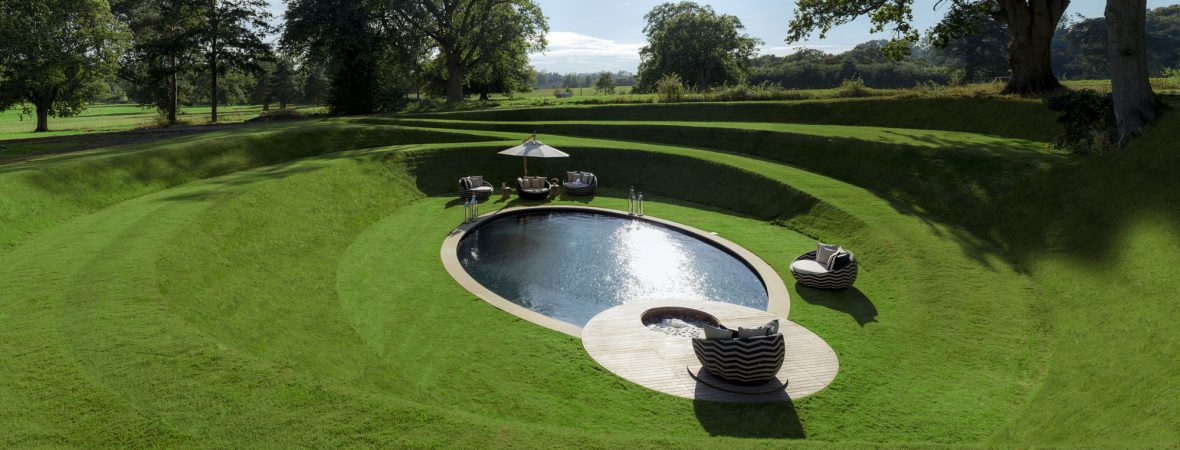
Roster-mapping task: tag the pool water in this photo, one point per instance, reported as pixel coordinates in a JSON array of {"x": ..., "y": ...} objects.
[{"x": 573, "y": 265}]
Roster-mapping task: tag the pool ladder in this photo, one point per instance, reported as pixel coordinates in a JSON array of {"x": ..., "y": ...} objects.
[{"x": 635, "y": 203}]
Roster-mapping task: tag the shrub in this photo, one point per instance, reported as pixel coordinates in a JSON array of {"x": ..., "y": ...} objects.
[
  {"x": 853, "y": 87},
  {"x": 670, "y": 88},
  {"x": 1088, "y": 119}
]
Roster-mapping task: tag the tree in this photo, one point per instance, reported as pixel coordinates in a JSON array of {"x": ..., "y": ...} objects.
[
  {"x": 53, "y": 51},
  {"x": 505, "y": 72},
  {"x": 283, "y": 81},
  {"x": 314, "y": 85},
  {"x": 981, "y": 55},
  {"x": 696, "y": 43},
  {"x": 1135, "y": 105},
  {"x": 164, "y": 47},
  {"x": 263, "y": 92},
  {"x": 605, "y": 83},
  {"x": 1084, "y": 50},
  {"x": 231, "y": 36},
  {"x": 349, "y": 39},
  {"x": 468, "y": 33},
  {"x": 1031, "y": 25}
]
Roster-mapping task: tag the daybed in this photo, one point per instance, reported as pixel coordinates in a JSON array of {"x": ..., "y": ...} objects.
[
  {"x": 533, "y": 188},
  {"x": 750, "y": 360},
  {"x": 474, "y": 186},
  {"x": 580, "y": 183},
  {"x": 837, "y": 270}
]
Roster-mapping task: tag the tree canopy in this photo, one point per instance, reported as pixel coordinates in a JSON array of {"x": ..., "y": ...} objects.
[
  {"x": 52, "y": 52},
  {"x": 694, "y": 42},
  {"x": 469, "y": 33},
  {"x": 231, "y": 38},
  {"x": 1031, "y": 25}
]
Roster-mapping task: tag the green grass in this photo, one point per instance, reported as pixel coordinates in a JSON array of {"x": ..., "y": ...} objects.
[
  {"x": 280, "y": 285},
  {"x": 119, "y": 117}
]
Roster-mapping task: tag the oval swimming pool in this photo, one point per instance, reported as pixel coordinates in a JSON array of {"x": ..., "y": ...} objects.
[{"x": 572, "y": 265}]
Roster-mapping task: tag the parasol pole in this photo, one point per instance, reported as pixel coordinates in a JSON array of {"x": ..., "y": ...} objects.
[{"x": 533, "y": 138}]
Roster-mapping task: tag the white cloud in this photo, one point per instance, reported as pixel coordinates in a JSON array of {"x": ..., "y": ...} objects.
[{"x": 569, "y": 52}]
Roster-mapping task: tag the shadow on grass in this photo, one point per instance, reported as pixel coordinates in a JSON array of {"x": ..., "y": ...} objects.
[
  {"x": 776, "y": 420},
  {"x": 850, "y": 301}
]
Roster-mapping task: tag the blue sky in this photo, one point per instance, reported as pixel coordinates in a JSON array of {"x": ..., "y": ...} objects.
[{"x": 591, "y": 36}]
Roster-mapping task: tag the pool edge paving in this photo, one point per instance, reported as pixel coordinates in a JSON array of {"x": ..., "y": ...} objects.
[{"x": 618, "y": 340}]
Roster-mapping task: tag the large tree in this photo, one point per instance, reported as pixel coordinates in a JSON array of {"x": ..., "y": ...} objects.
[
  {"x": 506, "y": 72},
  {"x": 350, "y": 39},
  {"x": 232, "y": 38},
  {"x": 695, "y": 42},
  {"x": 469, "y": 33},
  {"x": 52, "y": 52},
  {"x": 164, "y": 48},
  {"x": 1135, "y": 105},
  {"x": 1031, "y": 25}
]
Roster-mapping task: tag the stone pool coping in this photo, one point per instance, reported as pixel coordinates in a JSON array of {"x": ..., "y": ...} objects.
[{"x": 778, "y": 298}]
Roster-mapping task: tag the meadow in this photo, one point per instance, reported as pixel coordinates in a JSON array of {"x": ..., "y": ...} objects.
[{"x": 279, "y": 284}]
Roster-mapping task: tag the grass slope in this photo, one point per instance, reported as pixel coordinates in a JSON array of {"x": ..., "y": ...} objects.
[{"x": 222, "y": 291}]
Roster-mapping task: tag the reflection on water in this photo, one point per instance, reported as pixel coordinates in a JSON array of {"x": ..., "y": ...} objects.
[{"x": 573, "y": 265}]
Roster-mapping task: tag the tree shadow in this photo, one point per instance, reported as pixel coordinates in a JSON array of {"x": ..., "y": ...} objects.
[
  {"x": 850, "y": 301},
  {"x": 750, "y": 420}
]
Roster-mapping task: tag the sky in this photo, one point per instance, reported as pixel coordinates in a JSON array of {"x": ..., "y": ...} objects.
[{"x": 606, "y": 35}]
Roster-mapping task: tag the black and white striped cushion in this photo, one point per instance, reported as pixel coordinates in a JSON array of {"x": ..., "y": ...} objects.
[
  {"x": 749, "y": 361},
  {"x": 840, "y": 278}
]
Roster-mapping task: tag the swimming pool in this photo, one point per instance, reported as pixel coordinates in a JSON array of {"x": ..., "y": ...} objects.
[{"x": 571, "y": 265}]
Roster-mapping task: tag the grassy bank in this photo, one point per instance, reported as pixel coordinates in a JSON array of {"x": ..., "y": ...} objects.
[{"x": 280, "y": 285}]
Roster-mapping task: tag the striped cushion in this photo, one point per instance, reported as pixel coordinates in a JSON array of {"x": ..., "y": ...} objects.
[{"x": 742, "y": 361}]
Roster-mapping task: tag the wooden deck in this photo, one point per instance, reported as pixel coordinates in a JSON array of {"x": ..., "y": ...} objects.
[{"x": 619, "y": 341}]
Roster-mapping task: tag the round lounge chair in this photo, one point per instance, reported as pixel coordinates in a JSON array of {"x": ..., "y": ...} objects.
[
  {"x": 748, "y": 362},
  {"x": 580, "y": 183},
  {"x": 475, "y": 186},
  {"x": 810, "y": 273},
  {"x": 533, "y": 188}
]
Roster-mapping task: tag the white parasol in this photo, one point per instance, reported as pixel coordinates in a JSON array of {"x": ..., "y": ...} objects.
[{"x": 534, "y": 148}]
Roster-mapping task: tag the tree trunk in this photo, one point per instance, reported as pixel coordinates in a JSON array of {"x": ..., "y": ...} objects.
[
  {"x": 173, "y": 93},
  {"x": 483, "y": 96},
  {"x": 1135, "y": 105},
  {"x": 213, "y": 88},
  {"x": 1031, "y": 27},
  {"x": 214, "y": 21},
  {"x": 42, "y": 118},
  {"x": 454, "y": 79}
]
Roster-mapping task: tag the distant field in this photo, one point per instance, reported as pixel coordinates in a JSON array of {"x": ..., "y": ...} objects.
[
  {"x": 117, "y": 117},
  {"x": 122, "y": 117}
]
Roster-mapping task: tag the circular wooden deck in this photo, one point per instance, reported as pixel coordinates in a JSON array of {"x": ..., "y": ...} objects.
[{"x": 619, "y": 341}]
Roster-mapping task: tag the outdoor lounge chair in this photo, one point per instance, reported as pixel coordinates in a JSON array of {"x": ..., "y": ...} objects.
[
  {"x": 533, "y": 188},
  {"x": 580, "y": 183},
  {"x": 745, "y": 361},
  {"x": 474, "y": 186},
  {"x": 814, "y": 274}
]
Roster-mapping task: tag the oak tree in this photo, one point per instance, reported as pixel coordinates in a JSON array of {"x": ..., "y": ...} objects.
[
  {"x": 696, "y": 43},
  {"x": 52, "y": 52}
]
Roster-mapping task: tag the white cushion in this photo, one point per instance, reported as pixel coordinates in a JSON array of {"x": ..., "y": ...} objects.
[
  {"x": 808, "y": 266},
  {"x": 824, "y": 252},
  {"x": 476, "y": 181},
  {"x": 482, "y": 189}
]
